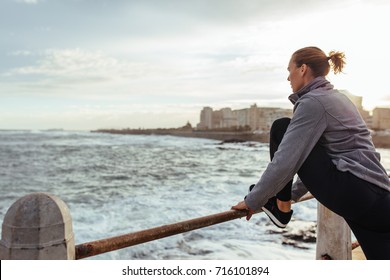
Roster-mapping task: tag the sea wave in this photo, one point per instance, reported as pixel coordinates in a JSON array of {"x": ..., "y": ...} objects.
[{"x": 116, "y": 184}]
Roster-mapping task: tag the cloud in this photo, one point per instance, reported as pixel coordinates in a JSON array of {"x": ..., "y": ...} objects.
[
  {"x": 76, "y": 66},
  {"x": 68, "y": 62},
  {"x": 20, "y": 53},
  {"x": 29, "y": 1},
  {"x": 171, "y": 71},
  {"x": 156, "y": 55}
]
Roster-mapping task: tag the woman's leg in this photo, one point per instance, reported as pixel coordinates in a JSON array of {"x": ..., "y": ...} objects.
[
  {"x": 375, "y": 243},
  {"x": 363, "y": 205},
  {"x": 277, "y": 132}
]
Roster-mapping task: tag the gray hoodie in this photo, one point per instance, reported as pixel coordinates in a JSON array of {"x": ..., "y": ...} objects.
[{"x": 324, "y": 115}]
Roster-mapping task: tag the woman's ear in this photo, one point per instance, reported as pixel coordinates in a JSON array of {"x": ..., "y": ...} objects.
[{"x": 303, "y": 69}]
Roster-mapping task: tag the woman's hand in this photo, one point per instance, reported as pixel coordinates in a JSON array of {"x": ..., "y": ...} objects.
[{"x": 242, "y": 206}]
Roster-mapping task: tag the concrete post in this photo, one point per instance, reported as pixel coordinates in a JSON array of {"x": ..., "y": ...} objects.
[
  {"x": 333, "y": 236},
  {"x": 38, "y": 226}
]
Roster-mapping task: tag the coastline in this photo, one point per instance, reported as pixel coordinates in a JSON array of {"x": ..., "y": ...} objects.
[{"x": 379, "y": 140}]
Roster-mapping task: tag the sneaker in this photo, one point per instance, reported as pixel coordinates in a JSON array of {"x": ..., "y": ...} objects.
[{"x": 279, "y": 218}]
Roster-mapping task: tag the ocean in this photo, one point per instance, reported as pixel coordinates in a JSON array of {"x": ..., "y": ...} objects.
[{"x": 117, "y": 184}]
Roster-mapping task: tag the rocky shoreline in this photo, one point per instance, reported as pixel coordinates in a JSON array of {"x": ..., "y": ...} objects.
[{"x": 380, "y": 140}]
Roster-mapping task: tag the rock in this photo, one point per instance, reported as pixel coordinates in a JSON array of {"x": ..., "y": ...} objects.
[{"x": 297, "y": 233}]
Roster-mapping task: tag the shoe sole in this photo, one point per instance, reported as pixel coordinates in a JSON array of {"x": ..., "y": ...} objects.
[{"x": 273, "y": 218}]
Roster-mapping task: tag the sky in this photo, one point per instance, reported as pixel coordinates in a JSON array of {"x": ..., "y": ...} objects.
[{"x": 92, "y": 64}]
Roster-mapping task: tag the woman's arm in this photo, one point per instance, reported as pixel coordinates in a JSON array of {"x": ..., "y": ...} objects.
[{"x": 303, "y": 133}]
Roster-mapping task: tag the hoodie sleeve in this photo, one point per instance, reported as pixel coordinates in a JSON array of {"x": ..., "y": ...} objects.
[{"x": 305, "y": 129}]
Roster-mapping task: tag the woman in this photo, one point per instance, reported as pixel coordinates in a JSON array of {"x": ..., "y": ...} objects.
[{"x": 327, "y": 144}]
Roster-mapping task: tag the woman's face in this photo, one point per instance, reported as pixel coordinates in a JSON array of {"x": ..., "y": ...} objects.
[{"x": 295, "y": 76}]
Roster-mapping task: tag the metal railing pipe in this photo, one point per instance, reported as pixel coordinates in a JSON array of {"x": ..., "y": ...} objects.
[
  {"x": 102, "y": 246},
  {"x": 122, "y": 241}
]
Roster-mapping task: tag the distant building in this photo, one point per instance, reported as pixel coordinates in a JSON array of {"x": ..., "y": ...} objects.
[
  {"x": 227, "y": 119},
  {"x": 242, "y": 117},
  {"x": 217, "y": 119},
  {"x": 256, "y": 118},
  {"x": 261, "y": 118},
  {"x": 269, "y": 115},
  {"x": 381, "y": 118},
  {"x": 206, "y": 118}
]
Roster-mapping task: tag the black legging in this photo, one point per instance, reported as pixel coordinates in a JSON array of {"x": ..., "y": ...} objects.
[
  {"x": 364, "y": 206},
  {"x": 278, "y": 129}
]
